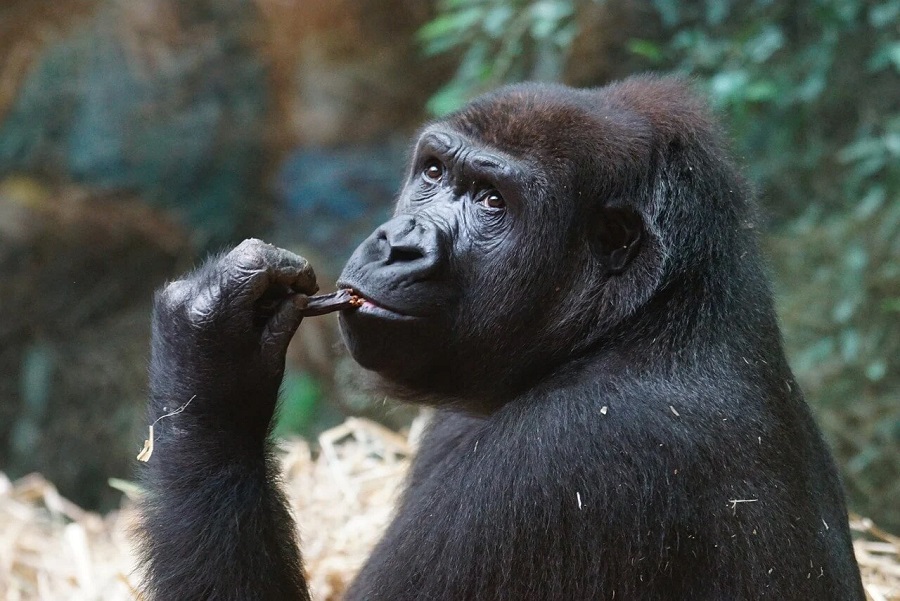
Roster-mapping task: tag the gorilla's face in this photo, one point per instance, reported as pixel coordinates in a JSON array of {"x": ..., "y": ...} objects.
[
  {"x": 436, "y": 276},
  {"x": 494, "y": 264}
]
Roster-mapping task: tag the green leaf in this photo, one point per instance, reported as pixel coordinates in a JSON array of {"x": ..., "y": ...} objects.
[
  {"x": 762, "y": 46},
  {"x": 547, "y": 17},
  {"x": 850, "y": 345},
  {"x": 844, "y": 310},
  {"x": 871, "y": 202},
  {"x": 565, "y": 35},
  {"x": 891, "y": 142},
  {"x": 668, "y": 11},
  {"x": 728, "y": 85},
  {"x": 812, "y": 87},
  {"x": 859, "y": 150},
  {"x": 450, "y": 25},
  {"x": 761, "y": 91},
  {"x": 449, "y": 98},
  {"x": 496, "y": 20},
  {"x": 876, "y": 370},
  {"x": 717, "y": 11},
  {"x": 856, "y": 257},
  {"x": 884, "y": 14},
  {"x": 887, "y": 56},
  {"x": 646, "y": 49}
]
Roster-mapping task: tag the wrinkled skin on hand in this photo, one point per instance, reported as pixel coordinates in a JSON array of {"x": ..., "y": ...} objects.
[{"x": 235, "y": 315}]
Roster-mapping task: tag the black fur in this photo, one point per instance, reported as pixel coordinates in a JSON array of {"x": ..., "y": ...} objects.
[{"x": 573, "y": 278}]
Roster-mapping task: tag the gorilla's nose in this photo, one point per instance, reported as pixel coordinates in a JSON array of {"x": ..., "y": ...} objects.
[
  {"x": 408, "y": 245},
  {"x": 402, "y": 249},
  {"x": 404, "y": 240}
]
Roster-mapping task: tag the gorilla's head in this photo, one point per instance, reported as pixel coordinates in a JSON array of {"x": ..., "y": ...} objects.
[{"x": 534, "y": 225}]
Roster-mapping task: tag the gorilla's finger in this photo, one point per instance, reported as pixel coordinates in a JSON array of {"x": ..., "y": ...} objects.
[
  {"x": 253, "y": 266},
  {"x": 281, "y": 327},
  {"x": 293, "y": 271}
]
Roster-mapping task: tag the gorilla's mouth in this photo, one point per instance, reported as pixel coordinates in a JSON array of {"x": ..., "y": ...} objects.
[
  {"x": 370, "y": 304},
  {"x": 375, "y": 308}
]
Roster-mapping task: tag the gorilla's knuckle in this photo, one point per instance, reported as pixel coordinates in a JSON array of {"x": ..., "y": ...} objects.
[
  {"x": 305, "y": 268},
  {"x": 249, "y": 255},
  {"x": 205, "y": 306},
  {"x": 284, "y": 261},
  {"x": 251, "y": 243},
  {"x": 174, "y": 294}
]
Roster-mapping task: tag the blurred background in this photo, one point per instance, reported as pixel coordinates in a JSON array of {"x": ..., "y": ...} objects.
[{"x": 138, "y": 135}]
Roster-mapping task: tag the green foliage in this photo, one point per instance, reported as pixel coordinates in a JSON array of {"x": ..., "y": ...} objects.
[
  {"x": 810, "y": 90},
  {"x": 843, "y": 339},
  {"x": 499, "y": 41},
  {"x": 300, "y": 396}
]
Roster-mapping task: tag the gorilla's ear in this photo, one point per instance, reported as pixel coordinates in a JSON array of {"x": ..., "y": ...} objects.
[{"x": 620, "y": 231}]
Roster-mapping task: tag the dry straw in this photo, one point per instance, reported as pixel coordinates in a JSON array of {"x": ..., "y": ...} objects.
[{"x": 50, "y": 549}]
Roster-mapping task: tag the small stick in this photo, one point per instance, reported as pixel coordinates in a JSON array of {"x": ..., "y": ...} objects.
[
  {"x": 147, "y": 451},
  {"x": 335, "y": 301}
]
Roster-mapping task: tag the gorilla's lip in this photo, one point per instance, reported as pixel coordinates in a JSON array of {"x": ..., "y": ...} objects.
[{"x": 373, "y": 307}]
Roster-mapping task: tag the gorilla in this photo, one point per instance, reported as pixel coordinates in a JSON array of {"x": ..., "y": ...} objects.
[{"x": 572, "y": 278}]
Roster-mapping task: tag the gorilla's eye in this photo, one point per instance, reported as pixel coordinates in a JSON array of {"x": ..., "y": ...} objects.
[
  {"x": 433, "y": 171},
  {"x": 491, "y": 199}
]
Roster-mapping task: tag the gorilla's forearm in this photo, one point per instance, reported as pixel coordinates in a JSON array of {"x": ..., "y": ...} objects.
[
  {"x": 217, "y": 528},
  {"x": 215, "y": 524}
]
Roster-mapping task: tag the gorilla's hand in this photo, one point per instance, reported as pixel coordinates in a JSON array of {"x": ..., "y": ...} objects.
[{"x": 220, "y": 335}]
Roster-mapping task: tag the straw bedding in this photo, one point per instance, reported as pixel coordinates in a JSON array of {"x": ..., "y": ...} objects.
[{"x": 50, "y": 549}]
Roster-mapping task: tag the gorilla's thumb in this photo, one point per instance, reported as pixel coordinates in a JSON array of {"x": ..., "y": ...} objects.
[{"x": 281, "y": 327}]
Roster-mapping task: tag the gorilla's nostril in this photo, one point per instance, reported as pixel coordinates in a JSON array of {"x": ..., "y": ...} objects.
[{"x": 404, "y": 254}]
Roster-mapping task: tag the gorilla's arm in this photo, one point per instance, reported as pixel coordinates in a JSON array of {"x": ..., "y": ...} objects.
[{"x": 215, "y": 524}]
